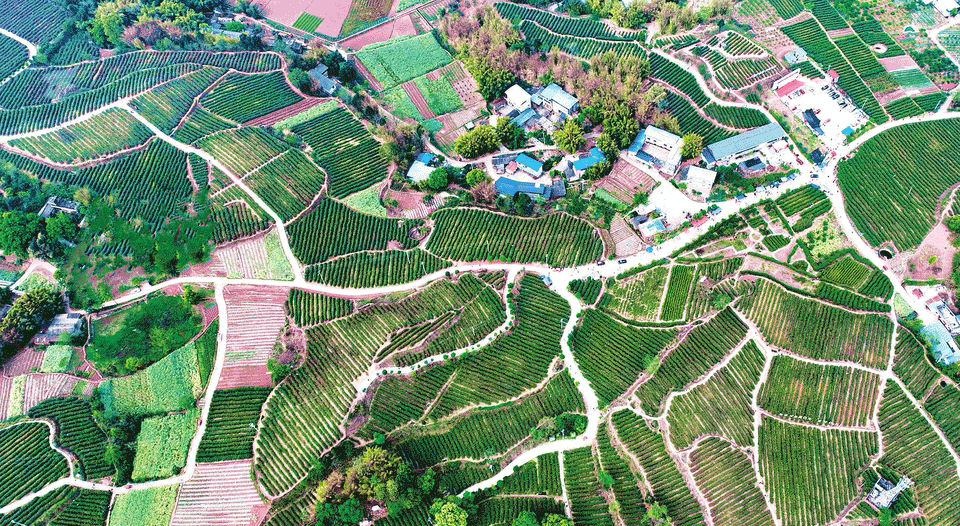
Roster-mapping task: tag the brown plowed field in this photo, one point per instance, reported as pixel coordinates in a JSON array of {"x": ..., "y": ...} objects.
[
  {"x": 272, "y": 118},
  {"x": 414, "y": 92}
]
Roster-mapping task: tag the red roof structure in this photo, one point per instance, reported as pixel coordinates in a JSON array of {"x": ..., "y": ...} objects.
[
  {"x": 833, "y": 74},
  {"x": 789, "y": 88}
]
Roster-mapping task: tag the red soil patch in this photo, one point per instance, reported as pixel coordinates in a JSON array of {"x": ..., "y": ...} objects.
[
  {"x": 272, "y": 118},
  {"x": 898, "y": 63},
  {"x": 333, "y": 12},
  {"x": 626, "y": 180},
  {"x": 244, "y": 376},
  {"x": 398, "y": 27},
  {"x": 414, "y": 92},
  {"x": 936, "y": 245},
  {"x": 23, "y": 362}
]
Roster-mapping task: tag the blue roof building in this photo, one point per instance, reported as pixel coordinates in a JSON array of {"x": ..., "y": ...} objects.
[
  {"x": 581, "y": 165},
  {"x": 945, "y": 348},
  {"x": 510, "y": 187},
  {"x": 530, "y": 165},
  {"x": 524, "y": 117},
  {"x": 721, "y": 152}
]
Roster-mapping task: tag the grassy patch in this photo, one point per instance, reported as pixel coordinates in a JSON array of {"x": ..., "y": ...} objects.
[
  {"x": 637, "y": 297},
  {"x": 278, "y": 267},
  {"x": 305, "y": 116},
  {"x": 149, "y": 507},
  {"x": 162, "y": 445},
  {"x": 402, "y": 59},
  {"x": 35, "y": 281},
  {"x": 364, "y": 13},
  {"x": 401, "y": 105},
  {"x": 367, "y": 202},
  {"x": 58, "y": 359},
  {"x": 15, "y": 401},
  {"x": 440, "y": 96},
  {"x": 142, "y": 334}
]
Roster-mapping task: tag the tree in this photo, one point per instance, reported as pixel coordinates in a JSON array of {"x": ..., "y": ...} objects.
[
  {"x": 61, "y": 226},
  {"x": 17, "y": 230},
  {"x": 350, "y": 512},
  {"x": 107, "y": 25},
  {"x": 608, "y": 146},
  {"x": 476, "y": 176},
  {"x": 484, "y": 192},
  {"x": 553, "y": 519},
  {"x": 621, "y": 125},
  {"x": 692, "y": 145},
  {"x": 510, "y": 135},
  {"x": 300, "y": 79},
  {"x": 449, "y": 514},
  {"x": 523, "y": 203},
  {"x": 953, "y": 224},
  {"x": 439, "y": 179},
  {"x": 569, "y": 138},
  {"x": 474, "y": 143},
  {"x": 526, "y": 518}
]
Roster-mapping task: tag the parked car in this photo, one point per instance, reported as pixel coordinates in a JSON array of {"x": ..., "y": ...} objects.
[
  {"x": 599, "y": 263},
  {"x": 622, "y": 261}
]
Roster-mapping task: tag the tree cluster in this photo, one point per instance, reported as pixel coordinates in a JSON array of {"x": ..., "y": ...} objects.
[
  {"x": 28, "y": 314},
  {"x": 476, "y": 142},
  {"x": 376, "y": 475}
]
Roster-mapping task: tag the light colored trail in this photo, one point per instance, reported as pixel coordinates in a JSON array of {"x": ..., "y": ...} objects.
[
  {"x": 31, "y": 48},
  {"x": 284, "y": 240}
]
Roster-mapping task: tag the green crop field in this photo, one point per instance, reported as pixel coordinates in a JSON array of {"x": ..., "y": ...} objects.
[
  {"x": 819, "y": 394},
  {"x": 703, "y": 348},
  {"x": 231, "y": 425},
  {"x": 809, "y": 488},
  {"x": 241, "y": 98},
  {"x": 918, "y": 168},
  {"x": 613, "y": 354},
  {"x": 78, "y": 433},
  {"x": 332, "y": 229},
  {"x": 637, "y": 297},
  {"x": 815, "y": 330},
  {"x": 307, "y": 22},
  {"x": 148, "y": 507},
  {"x": 109, "y": 132},
  {"x": 474, "y": 234},
  {"x": 911, "y": 79},
  {"x": 13, "y": 56},
  {"x": 402, "y": 59},
  {"x": 345, "y": 150},
  {"x": 721, "y": 405},
  {"x": 725, "y": 476},
  {"x": 166, "y": 105},
  {"x": 27, "y": 462},
  {"x": 162, "y": 445}
]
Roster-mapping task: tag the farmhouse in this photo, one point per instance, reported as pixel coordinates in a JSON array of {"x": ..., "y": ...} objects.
[
  {"x": 57, "y": 205},
  {"x": 945, "y": 7},
  {"x": 698, "y": 180},
  {"x": 658, "y": 149},
  {"x": 884, "y": 493},
  {"x": 61, "y": 323},
  {"x": 420, "y": 169},
  {"x": 722, "y": 152},
  {"x": 518, "y": 98},
  {"x": 526, "y": 117},
  {"x": 325, "y": 83},
  {"x": 561, "y": 101},
  {"x": 529, "y": 165},
  {"x": 510, "y": 187},
  {"x": 580, "y": 165},
  {"x": 945, "y": 348}
]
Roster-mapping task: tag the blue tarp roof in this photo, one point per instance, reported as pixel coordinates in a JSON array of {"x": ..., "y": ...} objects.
[
  {"x": 848, "y": 131},
  {"x": 425, "y": 158},
  {"x": 529, "y": 162},
  {"x": 940, "y": 338},
  {"x": 596, "y": 156}
]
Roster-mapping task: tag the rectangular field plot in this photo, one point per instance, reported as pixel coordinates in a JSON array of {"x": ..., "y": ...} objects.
[
  {"x": 725, "y": 476},
  {"x": 402, "y": 59},
  {"x": 812, "y": 474},
  {"x": 307, "y": 22},
  {"x": 819, "y": 394},
  {"x": 583, "y": 488},
  {"x": 815, "y": 330},
  {"x": 637, "y": 297},
  {"x": 912, "y": 79},
  {"x": 147, "y": 507},
  {"x": 912, "y": 448}
]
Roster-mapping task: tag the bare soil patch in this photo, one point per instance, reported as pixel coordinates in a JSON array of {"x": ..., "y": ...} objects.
[
  {"x": 898, "y": 63},
  {"x": 933, "y": 258}
]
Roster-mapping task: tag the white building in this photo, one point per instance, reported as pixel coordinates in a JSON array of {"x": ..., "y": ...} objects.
[
  {"x": 560, "y": 100},
  {"x": 658, "y": 149},
  {"x": 884, "y": 492},
  {"x": 699, "y": 180},
  {"x": 518, "y": 98}
]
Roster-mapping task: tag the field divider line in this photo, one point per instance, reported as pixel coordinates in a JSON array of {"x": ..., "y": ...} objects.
[{"x": 757, "y": 420}]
